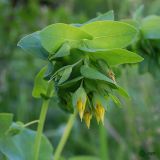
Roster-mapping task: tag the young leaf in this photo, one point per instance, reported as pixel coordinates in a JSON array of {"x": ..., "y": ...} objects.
[
  {"x": 151, "y": 27},
  {"x": 91, "y": 73},
  {"x": 40, "y": 85},
  {"x": 109, "y": 34},
  {"x": 32, "y": 45},
  {"x": 66, "y": 74},
  {"x": 53, "y": 36},
  {"x": 116, "y": 56}
]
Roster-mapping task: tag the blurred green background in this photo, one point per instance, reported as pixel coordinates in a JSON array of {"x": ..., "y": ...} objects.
[{"x": 131, "y": 132}]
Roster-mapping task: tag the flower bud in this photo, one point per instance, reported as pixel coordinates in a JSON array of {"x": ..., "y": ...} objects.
[
  {"x": 99, "y": 112},
  {"x": 81, "y": 108},
  {"x": 87, "y": 118}
]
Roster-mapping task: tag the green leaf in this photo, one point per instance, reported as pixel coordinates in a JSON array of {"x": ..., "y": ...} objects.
[
  {"x": 5, "y": 122},
  {"x": 49, "y": 70},
  {"x": 53, "y": 36},
  {"x": 40, "y": 85},
  {"x": 109, "y": 34},
  {"x": 116, "y": 56},
  {"x": 71, "y": 82},
  {"x": 116, "y": 100},
  {"x": 151, "y": 27},
  {"x": 91, "y": 73},
  {"x": 66, "y": 74},
  {"x": 84, "y": 158},
  {"x": 31, "y": 44},
  {"x": 122, "y": 92},
  {"x": 63, "y": 51},
  {"x": 21, "y": 146}
]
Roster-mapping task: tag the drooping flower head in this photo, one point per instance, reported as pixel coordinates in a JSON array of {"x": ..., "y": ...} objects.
[
  {"x": 100, "y": 104},
  {"x": 79, "y": 100}
]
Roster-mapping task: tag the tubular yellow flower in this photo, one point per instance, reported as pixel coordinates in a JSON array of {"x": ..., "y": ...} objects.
[
  {"x": 99, "y": 112},
  {"x": 87, "y": 118},
  {"x": 81, "y": 108}
]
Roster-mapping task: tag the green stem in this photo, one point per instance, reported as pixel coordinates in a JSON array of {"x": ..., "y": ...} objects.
[
  {"x": 41, "y": 122},
  {"x": 30, "y": 123},
  {"x": 103, "y": 143},
  {"x": 65, "y": 136}
]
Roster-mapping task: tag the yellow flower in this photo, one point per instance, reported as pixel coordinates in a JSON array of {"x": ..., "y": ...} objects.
[
  {"x": 87, "y": 118},
  {"x": 99, "y": 112},
  {"x": 81, "y": 107}
]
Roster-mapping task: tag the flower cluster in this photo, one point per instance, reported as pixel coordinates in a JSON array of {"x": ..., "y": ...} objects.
[{"x": 98, "y": 112}]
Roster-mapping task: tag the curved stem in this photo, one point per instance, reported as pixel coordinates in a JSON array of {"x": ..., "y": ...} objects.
[
  {"x": 41, "y": 122},
  {"x": 65, "y": 136},
  {"x": 30, "y": 123}
]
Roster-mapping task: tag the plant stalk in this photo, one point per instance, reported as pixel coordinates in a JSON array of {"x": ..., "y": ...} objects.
[
  {"x": 42, "y": 118},
  {"x": 103, "y": 143},
  {"x": 65, "y": 136}
]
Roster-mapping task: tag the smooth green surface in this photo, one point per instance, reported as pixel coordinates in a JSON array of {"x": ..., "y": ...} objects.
[
  {"x": 109, "y": 34},
  {"x": 53, "y": 36},
  {"x": 116, "y": 56},
  {"x": 17, "y": 142},
  {"x": 91, "y": 73},
  {"x": 21, "y": 146},
  {"x": 31, "y": 44}
]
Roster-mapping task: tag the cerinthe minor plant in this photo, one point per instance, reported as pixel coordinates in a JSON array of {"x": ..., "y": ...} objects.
[{"x": 79, "y": 73}]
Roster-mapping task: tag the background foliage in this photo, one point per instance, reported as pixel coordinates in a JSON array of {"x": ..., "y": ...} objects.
[{"x": 132, "y": 132}]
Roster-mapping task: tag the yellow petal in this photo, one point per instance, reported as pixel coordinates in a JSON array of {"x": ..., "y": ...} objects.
[
  {"x": 87, "y": 118},
  {"x": 81, "y": 108},
  {"x": 99, "y": 112}
]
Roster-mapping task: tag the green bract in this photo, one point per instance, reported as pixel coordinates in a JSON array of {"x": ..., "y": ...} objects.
[
  {"x": 81, "y": 56},
  {"x": 109, "y": 34}
]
